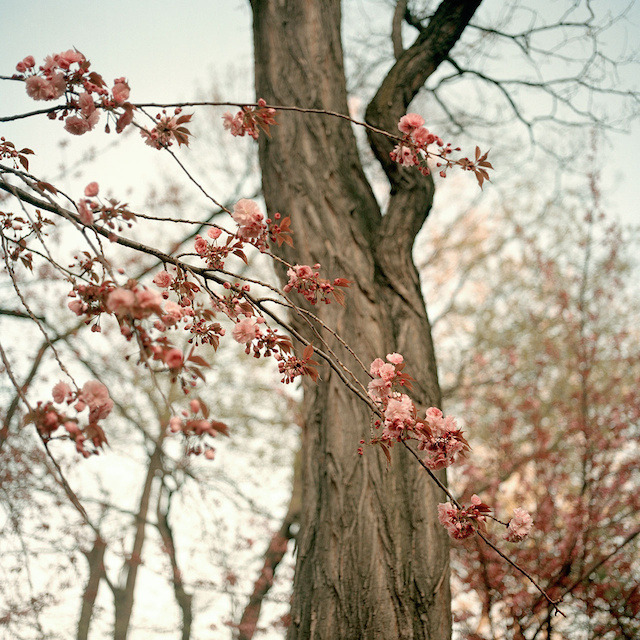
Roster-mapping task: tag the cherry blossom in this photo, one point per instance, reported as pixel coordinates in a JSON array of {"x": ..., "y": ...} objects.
[
  {"x": 410, "y": 122},
  {"x": 163, "y": 279},
  {"x": 40, "y": 88},
  {"x": 91, "y": 190},
  {"x": 249, "y": 219},
  {"x": 519, "y": 526},
  {"x": 246, "y": 330},
  {"x": 120, "y": 90},
  {"x": 61, "y": 391},
  {"x": 462, "y": 523},
  {"x": 173, "y": 358}
]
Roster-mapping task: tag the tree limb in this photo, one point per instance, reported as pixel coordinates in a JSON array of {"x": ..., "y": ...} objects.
[
  {"x": 272, "y": 557},
  {"x": 411, "y": 193}
]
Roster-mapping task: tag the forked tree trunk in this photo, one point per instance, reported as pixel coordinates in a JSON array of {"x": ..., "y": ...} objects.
[{"x": 373, "y": 561}]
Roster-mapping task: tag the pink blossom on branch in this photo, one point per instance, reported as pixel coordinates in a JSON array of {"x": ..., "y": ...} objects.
[
  {"x": 519, "y": 526},
  {"x": 173, "y": 358},
  {"x": 40, "y": 88},
  {"x": 246, "y": 330},
  {"x": 249, "y": 219},
  {"x": 413, "y": 151},
  {"x": 61, "y": 392},
  {"x": 96, "y": 396},
  {"x": 120, "y": 90},
  {"x": 462, "y": 523},
  {"x": 399, "y": 416},
  {"x": 163, "y": 279},
  {"x": 441, "y": 440},
  {"x": 249, "y": 120},
  {"x": 410, "y": 122},
  {"x": 91, "y": 190}
]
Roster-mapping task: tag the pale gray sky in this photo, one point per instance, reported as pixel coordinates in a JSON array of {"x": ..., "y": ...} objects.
[{"x": 168, "y": 50}]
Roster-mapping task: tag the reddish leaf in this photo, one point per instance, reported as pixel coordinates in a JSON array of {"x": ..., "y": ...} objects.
[
  {"x": 199, "y": 360},
  {"x": 220, "y": 427}
]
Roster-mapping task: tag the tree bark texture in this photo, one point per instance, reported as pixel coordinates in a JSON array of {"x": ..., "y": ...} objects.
[{"x": 372, "y": 559}]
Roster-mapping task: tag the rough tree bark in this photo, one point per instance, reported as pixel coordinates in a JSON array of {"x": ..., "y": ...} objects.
[{"x": 372, "y": 559}]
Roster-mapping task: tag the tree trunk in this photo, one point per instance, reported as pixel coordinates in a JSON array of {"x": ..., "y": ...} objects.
[
  {"x": 95, "y": 560},
  {"x": 123, "y": 597},
  {"x": 373, "y": 561}
]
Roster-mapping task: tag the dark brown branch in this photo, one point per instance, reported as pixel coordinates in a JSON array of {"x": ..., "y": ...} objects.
[
  {"x": 183, "y": 598},
  {"x": 396, "y": 28},
  {"x": 272, "y": 558},
  {"x": 17, "y": 314},
  {"x": 95, "y": 560},
  {"x": 410, "y": 72}
]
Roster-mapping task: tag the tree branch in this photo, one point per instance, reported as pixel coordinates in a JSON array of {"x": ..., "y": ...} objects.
[
  {"x": 272, "y": 557},
  {"x": 183, "y": 598},
  {"x": 95, "y": 560},
  {"x": 396, "y": 28},
  {"x": 411, "y": 193}
]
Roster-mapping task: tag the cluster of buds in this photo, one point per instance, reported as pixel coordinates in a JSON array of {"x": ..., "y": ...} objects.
[
  {"x": 306, "y": 281},
  {"x": 112, "y": 213},
  {"x": 168, "y": 129},
  {"x": 250, "y": 120},
  {"x": 195, "y": 424},
  {"x": 8, "y": 151},
  {"x": 292, "y": 367},
  {"x": 413, "y": 151},
  {"x": 49, "y": 419}
]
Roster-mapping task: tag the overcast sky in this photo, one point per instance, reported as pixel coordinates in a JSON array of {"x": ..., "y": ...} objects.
[{"x": 168, "y": 51}]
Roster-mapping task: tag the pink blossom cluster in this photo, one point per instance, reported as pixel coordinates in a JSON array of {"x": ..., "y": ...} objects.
[
  {"x": 136, "y": 303},
  {"x": 131, "y": 305},
  {"x": 306, "y": 281},
  {"x": 252, "y": 228},
  {"x": 249, "y": 218},
  {"x": 292, "y": 367},
  {"x": 51, "y": 81},
  {"x": 462, "y": 523},
  {"x": 384, "y": 375},
  {"x": 57, "y": 76},
  {"x": 247, "y": 329},
  {"x": 168, "y": 129},
  {"x": 412, "y": 151},
  {"x": 249, "y": 120},
  {"x": 216, "y": 252},
  {"x": 256, "y": 335},
  {"x": 438, "y": 436},
  {"x": 195, "y": 427},
  {"x": 441, "y": 440},
  {"x": 399, "y": 416},
  {"x": 93, "y": 396},
  {"x": 110, "y": 212},
  {"x": 519, "y": 526},
  {"x": 86, "y": 206}
]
